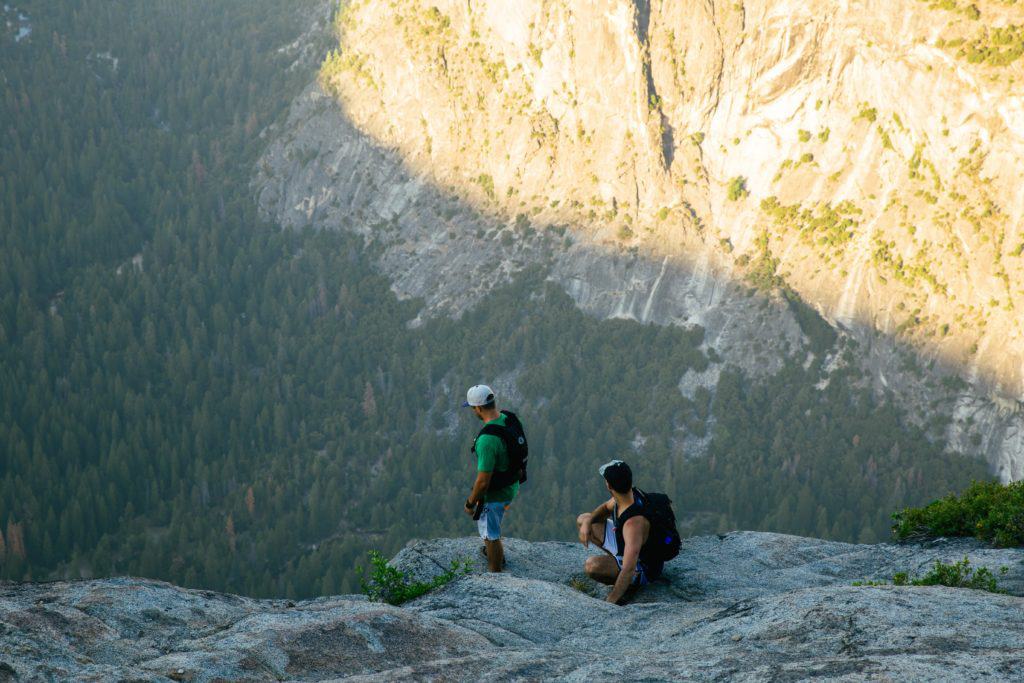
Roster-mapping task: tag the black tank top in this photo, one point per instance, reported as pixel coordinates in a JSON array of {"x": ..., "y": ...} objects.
[{"x": 618, "y": 521}]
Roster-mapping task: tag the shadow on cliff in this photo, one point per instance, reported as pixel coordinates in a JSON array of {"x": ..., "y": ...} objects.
[{"x": 437, "y": 243}]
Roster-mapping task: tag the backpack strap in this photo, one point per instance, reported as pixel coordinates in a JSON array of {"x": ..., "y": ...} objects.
[
  {"x": 495, "y": 430},
  {"x": 639, "y": 508},
  {"x": 512, "y": 420},
  {"x": 502, "y": 433}
]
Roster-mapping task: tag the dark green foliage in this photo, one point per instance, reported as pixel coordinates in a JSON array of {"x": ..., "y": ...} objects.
[
  {"x": 787, "y": 457},
  {"x": 393, "y": 586},
  {"x": 821, "y": 335},
  {"x": 957, "y": 575},
  {"x": 987, "y": 510},
  {"x": 763, "y": 274}
]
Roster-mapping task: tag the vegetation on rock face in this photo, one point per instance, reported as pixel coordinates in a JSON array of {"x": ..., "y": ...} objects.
[
  {"x": 997, "y": 46},
  {"x": 763, "y": 274},
  {"x": 956, "y": 575},
  {"x": 989, "y": 511},
  {"x": 737, "y": 188},
  {"x": 389, "y": 584},
  {"x": 991, "y": 45},
  {"x": 824, "y": 226},
  {"x": 486, "y": 182}
]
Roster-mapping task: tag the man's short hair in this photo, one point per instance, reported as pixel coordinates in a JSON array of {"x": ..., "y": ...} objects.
[
  {"x": 618, "y": 475},
  {"x": 488, "y": 406}
]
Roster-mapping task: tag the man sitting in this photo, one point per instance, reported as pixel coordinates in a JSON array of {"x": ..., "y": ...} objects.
[{"x": 621, "y": 528}]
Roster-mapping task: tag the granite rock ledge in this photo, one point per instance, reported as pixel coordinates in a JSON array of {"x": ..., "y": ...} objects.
[{"x": 741, "y": 606}]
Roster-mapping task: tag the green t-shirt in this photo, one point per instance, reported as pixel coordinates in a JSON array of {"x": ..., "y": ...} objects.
[{"x": 491, "y": 456}]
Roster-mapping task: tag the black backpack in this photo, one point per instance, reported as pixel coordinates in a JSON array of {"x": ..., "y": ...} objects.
[
  {"x": 663, "y": 541},
  {"x": 514, "y": 438}
]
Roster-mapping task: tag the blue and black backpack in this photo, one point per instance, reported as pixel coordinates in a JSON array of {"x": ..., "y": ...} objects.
[{"x": 663, "y": 541}]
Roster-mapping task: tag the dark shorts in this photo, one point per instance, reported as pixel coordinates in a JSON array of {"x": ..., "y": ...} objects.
[{"x": 646, "y": 570}]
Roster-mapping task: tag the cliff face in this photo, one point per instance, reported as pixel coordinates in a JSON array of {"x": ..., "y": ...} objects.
[
  {"x": 744, "y": 606},
  {"x": 890, "y": 163},
  {"x": 660, "y": 158}
]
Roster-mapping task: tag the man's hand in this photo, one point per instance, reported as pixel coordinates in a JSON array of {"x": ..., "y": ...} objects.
[
  {"x": 483, "y": 480},
  {"x": 584, "y": 521}
]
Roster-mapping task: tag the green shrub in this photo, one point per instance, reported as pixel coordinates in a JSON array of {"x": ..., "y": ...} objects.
[
  {"x": 957, "y": 575},
  {"x": 737, "y": 188},
  {"x": 886, "y": 140},
  {"x": 990, "y": 511},
  {"x": 393, "y": 586},
  {"x": 487, "y": 183},
  {"x": 869, "y": 113},
  {"x": 804, "y": 135},
  {"x": 536, "y": 53},
  {"x": 763, "y": 274}
]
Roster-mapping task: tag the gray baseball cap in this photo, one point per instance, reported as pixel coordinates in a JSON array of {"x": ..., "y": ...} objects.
[{"x": 478, "y": 395}]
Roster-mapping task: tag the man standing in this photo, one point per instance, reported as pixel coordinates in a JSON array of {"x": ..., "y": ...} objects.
[
  {"x": 621, "y": 526},
  {"x": 501, "y": 453}
]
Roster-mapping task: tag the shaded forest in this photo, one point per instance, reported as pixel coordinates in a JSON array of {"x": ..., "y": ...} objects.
[{"x": 191, "y": 394}]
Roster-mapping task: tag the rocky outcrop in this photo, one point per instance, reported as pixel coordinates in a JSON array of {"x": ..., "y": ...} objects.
[
  {"x": 600, "y": 140},
  {"x": 743, "y": 606}
]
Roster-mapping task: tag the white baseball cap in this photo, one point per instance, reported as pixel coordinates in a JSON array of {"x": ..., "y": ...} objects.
[{"x": 478, "y": 395}]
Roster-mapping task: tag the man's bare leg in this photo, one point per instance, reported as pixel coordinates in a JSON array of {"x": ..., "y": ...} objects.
[
  {"x": 495, "y": 555},
  {"x": 602, "y": 568}
]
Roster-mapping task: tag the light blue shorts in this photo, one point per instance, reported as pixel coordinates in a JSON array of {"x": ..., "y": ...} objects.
[{"x": 489, "y": 524}]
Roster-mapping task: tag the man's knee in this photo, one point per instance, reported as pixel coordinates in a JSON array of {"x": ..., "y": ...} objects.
[{"x": 595, "y": 565}]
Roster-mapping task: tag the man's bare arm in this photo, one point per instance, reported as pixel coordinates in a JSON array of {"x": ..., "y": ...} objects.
[
  {"x": 633, "y": 537},
  {"x": 483, "y": 480}
]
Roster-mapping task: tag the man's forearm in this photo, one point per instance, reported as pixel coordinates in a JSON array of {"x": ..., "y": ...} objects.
[
  {"x": 483, "y": 480},
  {"x": 623, "y": 580},
  {"x": 477, "y": 493},
  {"x": 599, "y": 514}
]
